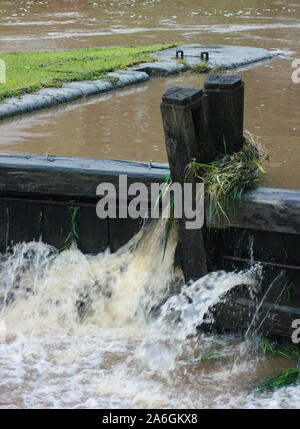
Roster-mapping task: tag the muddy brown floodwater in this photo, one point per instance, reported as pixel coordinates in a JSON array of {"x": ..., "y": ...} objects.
[
  {"x": 48, "y": 357},
  {"x": 127, "y": 124}
]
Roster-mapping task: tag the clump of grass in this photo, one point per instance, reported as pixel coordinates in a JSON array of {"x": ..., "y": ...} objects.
[
  {"x": 169, "y": 224},
  {"x": 286, "y": 296},
  {"x": 211, "y": 357},
  {"x": 287, "y": 351},
  {"x": 202, "y": 67},
  {"x": 226, "y": 178},
  {"x": 290, "y": 377},
  {"x": 170, "y": 220},
  {"x": 111, "y": 79},
  {"x": 73, "y": 235}
]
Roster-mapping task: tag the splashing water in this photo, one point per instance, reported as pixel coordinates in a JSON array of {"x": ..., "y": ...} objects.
[
  {"x": 105, "y": 330},
  {"x": 182, "y": 314},
  {"x": 41, "y": 287}
]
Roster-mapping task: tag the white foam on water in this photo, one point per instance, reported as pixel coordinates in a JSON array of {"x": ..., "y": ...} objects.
[
  {"x": 102, "y": 331},
  {"x": 182, "y": 313}
]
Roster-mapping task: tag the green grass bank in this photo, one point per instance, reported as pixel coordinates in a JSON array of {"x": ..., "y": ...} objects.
[{"x": 28, "y": 72}]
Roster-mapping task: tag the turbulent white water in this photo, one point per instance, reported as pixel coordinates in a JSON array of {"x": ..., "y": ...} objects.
[{"x": 102, "y": 331}]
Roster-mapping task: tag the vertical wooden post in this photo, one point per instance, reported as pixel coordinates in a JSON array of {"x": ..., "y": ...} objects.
[
  {"x": 3, "y": 226},
  {"x": 181, "y": 143},
  {"x": 226, "y": 111},
  {"x": 203, "y": 125},
  {"x": 179, "y": 108}
]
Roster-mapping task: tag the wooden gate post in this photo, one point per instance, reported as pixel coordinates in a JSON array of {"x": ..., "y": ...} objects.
[
  {"x": 203, "y": 125},
  {"x": 181, "y": 108},
  {"x": 226, "y": 111}
]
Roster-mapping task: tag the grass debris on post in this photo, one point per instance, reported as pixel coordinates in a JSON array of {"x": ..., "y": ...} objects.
[{"x": 226, "y": 178}]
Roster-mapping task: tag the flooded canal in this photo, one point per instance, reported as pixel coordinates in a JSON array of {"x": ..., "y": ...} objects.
[
  {"x": 51, "y": 356},
  {"x": 127, "y": 124}
]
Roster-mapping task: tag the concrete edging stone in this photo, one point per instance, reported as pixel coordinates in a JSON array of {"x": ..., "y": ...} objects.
[{"x": 222, "y": 56}]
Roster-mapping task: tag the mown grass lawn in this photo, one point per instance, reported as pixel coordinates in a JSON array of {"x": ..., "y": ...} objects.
[{"x": 29, "y": 72}]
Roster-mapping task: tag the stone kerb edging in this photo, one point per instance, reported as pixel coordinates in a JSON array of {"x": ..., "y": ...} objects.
[{"x": 220, "y": 57}]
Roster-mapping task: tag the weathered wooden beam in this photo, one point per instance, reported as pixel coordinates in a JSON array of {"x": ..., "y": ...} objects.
[
  {"x": 34, "y": 174},
  {"x": 266, "y": 209},
  {"x": 201, "y": 125},
  {"x": 121, "y": 231},
  {"x": 261, "y": 208},
  {"x": 3, "y": 225},
  {"x": 56, "y": 225},
  {"x": 92, "y": 231},
  {"x": 239, "y": 313},
  {"x": 23, "y": 222},
  {"x": 225, "y": 94},
  {"x": 181, "y": 108},
  {"x": 179, "y": 130}
]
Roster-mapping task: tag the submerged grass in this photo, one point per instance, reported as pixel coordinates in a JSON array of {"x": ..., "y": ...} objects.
[
  {"x": 211, "y": 357},
  {"x": 287, "y": 351},
  {"x": 226, "y": 178},
  {"x": 27, "y": 72},
  {"x": 289, "y": 377}
]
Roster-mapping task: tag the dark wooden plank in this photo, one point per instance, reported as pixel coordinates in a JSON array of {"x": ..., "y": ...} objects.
[
  {"x": 178, "y": 124},
  {"x": 226, "y": 110},
  {"x": 265, "y": 209},
  {"x": 237, "y": 316},
  {"x": 23, "y": 222},
  {"x": 92, "y": 231},
  {"x": 268, "y": 245},
  {"x": 121, "y": 231},
  {"x": 56, "y": 224},
  {"x": 34, "y": 174},
  {"x": 206, "y": 150},
  {"x": 184, "y": 142},
  {"x": 291, "y": 246},
  {"x": 247, "y": 243},
  {"x": 262, "y": 208},
  {"x": 3, "y": 226},
  {"x": 201, "y": 125}
]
